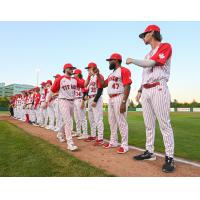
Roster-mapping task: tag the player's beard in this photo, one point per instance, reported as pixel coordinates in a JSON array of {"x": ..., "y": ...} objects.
[{"x": 112, "y": 65}]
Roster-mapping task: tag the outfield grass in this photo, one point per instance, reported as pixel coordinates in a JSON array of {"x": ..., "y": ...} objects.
[
  {"x": 186, "y": 132},
  {"x": 4, "y": 112},
  {"x": 22, "y": 154}
]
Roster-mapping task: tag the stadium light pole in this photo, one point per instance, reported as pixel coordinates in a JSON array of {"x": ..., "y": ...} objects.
[{"x": 37, "y": 76}]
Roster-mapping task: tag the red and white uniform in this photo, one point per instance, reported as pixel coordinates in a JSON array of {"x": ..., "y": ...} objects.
[
  {"x": 37, "y": 106},
  {"x": 32, "y": 114},
  {"x": 57, "y": 113},
  {"x": 50, "y": 111},
  {"x": 18, "y": 104},
  {"x": 156, "y": 100},
  {"x": 65, "y": 87},
  {"x": 95, "y": 114},
  {"x": 43, "y": 110},
  {"x": 116, "y": 82},
  {"x": 80, "y": 114},
  {"x": 23, "y": 103}
]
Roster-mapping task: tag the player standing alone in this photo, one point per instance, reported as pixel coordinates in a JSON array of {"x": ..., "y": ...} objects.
[{"x": 155, "y": 96}]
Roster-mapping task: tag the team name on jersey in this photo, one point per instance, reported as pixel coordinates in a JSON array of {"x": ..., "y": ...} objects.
[{"x": 69, "y": 87}]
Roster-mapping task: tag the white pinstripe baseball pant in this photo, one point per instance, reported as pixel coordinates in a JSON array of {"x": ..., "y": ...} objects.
[
  {"x": 156, "y": 104},
  {"x": 66, "y": 110},
  {"x": 37, "y": 114},
  {"x": 51, "y": 114},
  {"x": 95, "y": 115},
  {"x": 80, "y": 117},
  {"x": 43, "y": 114},
  {"x": 57, "y": 114},
  {"x": 117, "y": 119}
]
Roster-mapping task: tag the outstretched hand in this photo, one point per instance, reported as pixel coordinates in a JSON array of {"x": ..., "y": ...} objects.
[{"x": 129, "y": 61}]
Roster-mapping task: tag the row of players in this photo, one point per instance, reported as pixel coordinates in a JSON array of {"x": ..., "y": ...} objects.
[{"x": 53, "y": 107}]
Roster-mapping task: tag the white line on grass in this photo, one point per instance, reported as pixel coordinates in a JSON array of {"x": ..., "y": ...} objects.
[{"x": 162, "y": 156}]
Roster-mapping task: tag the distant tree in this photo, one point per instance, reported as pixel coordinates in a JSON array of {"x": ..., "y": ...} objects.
[{"x": 4, "y": 102}]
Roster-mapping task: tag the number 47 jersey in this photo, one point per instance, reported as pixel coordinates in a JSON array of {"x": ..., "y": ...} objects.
[{"x": 117, "y": 80}]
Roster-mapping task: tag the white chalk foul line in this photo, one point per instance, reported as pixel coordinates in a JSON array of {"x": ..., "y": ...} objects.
[{"x": 162, "y": 156}]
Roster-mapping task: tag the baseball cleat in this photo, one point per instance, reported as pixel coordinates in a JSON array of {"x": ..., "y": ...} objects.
[
  {"x": 108, "y": 146},
  {"x": 145, "y": 156},
  {"x": 89, "y": 139},
  {"x": 61, "y": 140},
  {"x": 72, "y": 147},
  {"x": 47, "y": 127},
  {"x": 98, "y": 142},
  {"x": 121, "y": 150},
  {"x": 74, "y": 134},
  {"x": 169, "y": 165},
  {"x": 82, "y": 137},
  {"x": 56, "y": 129}
]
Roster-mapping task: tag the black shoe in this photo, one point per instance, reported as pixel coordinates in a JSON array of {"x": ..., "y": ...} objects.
[
  {"x": 169, "y": 165},
  {"x": 145, "y": 156}
]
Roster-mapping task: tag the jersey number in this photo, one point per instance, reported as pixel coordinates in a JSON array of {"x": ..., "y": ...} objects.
[{"x": 115, "y": 85}]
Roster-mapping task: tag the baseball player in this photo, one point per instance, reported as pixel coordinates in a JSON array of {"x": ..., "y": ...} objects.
[
  {"x": 95, "y": 105},
  {"x": 56, "y": 110},
  {"x": 19, "y": 106},
  {"x": 79, "y": 108},
  {"x": 65, "y": 86},
  {"x": 119, "y": 84},
  {"x": 30, "y": 106},
  {"x": 23, "y": 106},
  {"x": 155, "y": 96},
  {"x": 50, "y": 108},
  {"x": 36, "y": 106},
  {"x": 43, "y": 111}
]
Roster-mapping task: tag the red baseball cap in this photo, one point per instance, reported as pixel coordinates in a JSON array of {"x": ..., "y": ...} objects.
[
  {"x": 149, "y": 29},
  {"x": 49, "y": 82},
  {"x": 68, "y": 65},
  {"x": 37, "y": 89},
  {"x": 57, "y": 76},
  {"x": 77, "y": 71},
  {"x": 115, "y": 56},
  {"x": 43, "y": 84},
  {"x": 91, "y": 65}
]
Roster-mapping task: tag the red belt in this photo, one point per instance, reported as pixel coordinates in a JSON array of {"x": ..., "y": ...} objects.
[
  {"x": 114, "y": 95},
  {"x": 151, "y": 85},
  {"x": 91, "y": 96}
]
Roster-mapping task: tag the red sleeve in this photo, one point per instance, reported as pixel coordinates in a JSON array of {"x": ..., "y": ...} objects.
[
  {"x": 56, "y": 85},
  {"x": 84, "y": 90},
  {"x": 106, "y": 82},
  {"x": 163, "y": 53},
  {"x": 99, "y": 85},
  {"x": 80, "y": 82},
  {"x": 37, "y": 99},
  {"x": 126, "y": 76}
]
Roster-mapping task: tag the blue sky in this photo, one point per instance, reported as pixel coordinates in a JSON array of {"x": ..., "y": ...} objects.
[{"x": 26, "y": 46}]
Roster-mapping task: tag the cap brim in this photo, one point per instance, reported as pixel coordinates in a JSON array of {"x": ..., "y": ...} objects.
[
  {"x": 108, "y": 59},
  {"x": 142, "y": 35},
  {"x": 86, "y": 67}
]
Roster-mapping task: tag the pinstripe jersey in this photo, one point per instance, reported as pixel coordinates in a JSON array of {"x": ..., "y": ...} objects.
[
  {"x": 66, "y": 86},
  {"x": 117, "y": 79},
  {"x": 161, "y": 71},
  {"x": 94, "y": 84}
]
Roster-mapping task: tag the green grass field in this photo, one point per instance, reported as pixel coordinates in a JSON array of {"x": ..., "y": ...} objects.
[
  {"x": 186, "y": 132},
  {"x": 4, "y": 112},
  {"x": 22, "y": 154}
]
